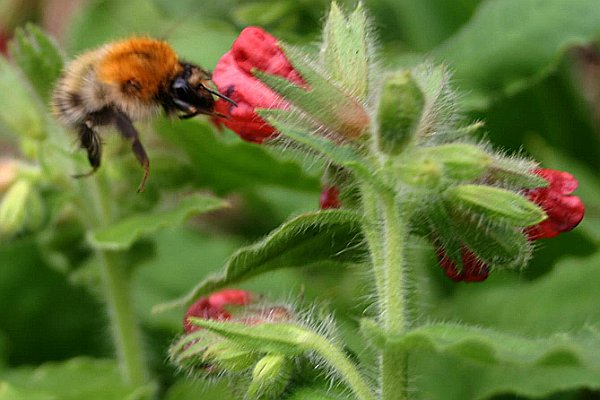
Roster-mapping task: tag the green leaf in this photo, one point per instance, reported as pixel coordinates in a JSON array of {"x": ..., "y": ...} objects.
[
  {"x": 345, "y": 49},
  {"x": 326, "y": 238},
  {"x": 494, "y": 347},
  {"x": 511, "y": 44},
  {"x": 75, "y": 379},
  {"x": 123, "y": 234},
  {"x": 38, "y": 57},
  {"x": 232, "y": 165},
  {"x": 19, "y": 111}
]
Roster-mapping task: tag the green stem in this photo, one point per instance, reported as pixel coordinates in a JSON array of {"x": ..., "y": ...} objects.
[
  {"x": 125, "y": 331},
  {"x": 343, "y": 366},
  {"x": 385, "y": 233},
  {"x": 126, "y": 335}
]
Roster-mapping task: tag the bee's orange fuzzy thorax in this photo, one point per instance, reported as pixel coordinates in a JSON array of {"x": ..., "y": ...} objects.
[{"x": 139, "y": 66}]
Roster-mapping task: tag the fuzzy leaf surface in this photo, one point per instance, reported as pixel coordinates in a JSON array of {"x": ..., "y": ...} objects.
[
  {"x": 124, "y": 233},
  {"x": 38, "y": 57},
  {"x": 504, "y": 363},
  {"x": 345, "y": 51},
  {"x": 330, "y": 238},
  {"x": 494, "y": 347},
  {"x": 510, "y": 44},
  {"x": 75, "y": 379}
]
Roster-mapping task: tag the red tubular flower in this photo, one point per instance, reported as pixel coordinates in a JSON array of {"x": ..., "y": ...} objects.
[
  {"x": 473, "y": 269},
  {"x": 253, "y": 49},
  {"x": 213, "y": 306},
  {"x": 330, "y": 198},
  {"x": 564, "y": 211}
]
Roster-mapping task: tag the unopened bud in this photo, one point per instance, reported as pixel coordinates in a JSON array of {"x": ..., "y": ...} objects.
[
  {"x": 496, "y": 203},
  {"x": 400, "y": 107},
  {"x": 13, "y": 209},
  {"x": 461, "y": 161},
  {"x": 424, "y": 173},
  {"x": 270, "y": 377},
  {"x": 226, "y": 356}
]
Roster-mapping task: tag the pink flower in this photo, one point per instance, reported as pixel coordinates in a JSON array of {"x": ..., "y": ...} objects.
[
  {"x": 213, "y": 306},
  {"x": 564, "y": 211},
  {"x": 473, "y": 269},
  {"x": 253, "y": 49},
  {"x": 330, "y": 198}
]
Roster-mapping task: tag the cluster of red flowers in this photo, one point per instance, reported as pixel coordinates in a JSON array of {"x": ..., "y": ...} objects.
[
  {"x": 564, "y": 211},
  {"x": 256, "y": 49}
]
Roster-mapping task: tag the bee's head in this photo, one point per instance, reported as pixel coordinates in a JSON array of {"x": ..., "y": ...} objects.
[{"x": 190, "y": 93}]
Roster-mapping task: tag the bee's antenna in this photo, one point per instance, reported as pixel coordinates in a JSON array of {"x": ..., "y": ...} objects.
[{"x": 227, "y": 99}]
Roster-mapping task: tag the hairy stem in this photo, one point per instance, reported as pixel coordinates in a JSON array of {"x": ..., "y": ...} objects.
[
  {"x": 126, "y": 335},
  {"x": 343, "y": 366},
  {"x": 386, "y": 236}
]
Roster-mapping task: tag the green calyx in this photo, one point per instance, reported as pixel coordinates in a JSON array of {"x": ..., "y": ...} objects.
[
  {"x": 400, "y": 107},
  {"x": 496, "y": 204},
  {"x": 460, "y": 161}
]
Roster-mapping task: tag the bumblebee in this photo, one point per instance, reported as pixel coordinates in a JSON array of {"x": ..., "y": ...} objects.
[{"x": 127, "y": 81}]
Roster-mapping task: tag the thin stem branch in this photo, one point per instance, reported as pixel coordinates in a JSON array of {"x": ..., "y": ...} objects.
[{"x": 343, "y": 366}]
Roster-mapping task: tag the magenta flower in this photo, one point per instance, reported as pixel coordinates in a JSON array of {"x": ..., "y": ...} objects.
[
  {"x": 330, "y": 198},
  {"x": 564, "y": 210},
  {"x": 253, "y": 49},
  {"x": 213, "y": 306},
  {"x": 473, "y": 269}
]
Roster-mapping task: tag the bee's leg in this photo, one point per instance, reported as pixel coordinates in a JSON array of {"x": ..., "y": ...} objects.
[
  {"x": 89, "y": 140},
  {"x": 128, "y": 131}
]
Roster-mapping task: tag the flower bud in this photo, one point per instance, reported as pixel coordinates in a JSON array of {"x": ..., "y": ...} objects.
[
  {"x": 226, "y": 356},
  {"x": 400, "y": 107},
  {"x": 425, "y": 173},
  {"x": 13, "y": 209},
  {"x": 270, "y": 377},
  {"x": 495, "y": 203},
  {"x": 330, "y": 198},
  {"x": 461, "y": 161}
]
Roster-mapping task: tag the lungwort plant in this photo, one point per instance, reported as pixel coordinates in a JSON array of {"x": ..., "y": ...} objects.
[
  {"x": 401, "y": 165},
  {"x": 403, "y": 173}
]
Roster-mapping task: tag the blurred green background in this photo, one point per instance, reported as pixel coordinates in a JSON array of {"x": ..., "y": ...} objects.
[{"x": 529, "y": 69}]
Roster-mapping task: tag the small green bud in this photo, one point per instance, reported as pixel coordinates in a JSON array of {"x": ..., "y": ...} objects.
[
  {"x": 229, "y": 357},
  {"x": 399, "y": 112},
  {"x": 13, "y": 209},
  {"x": 496, "y": 203},
  {"x": 461, "y": 161},
  {"x": 425, "y": 173},
  {"x": 270, "y": 377}
]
